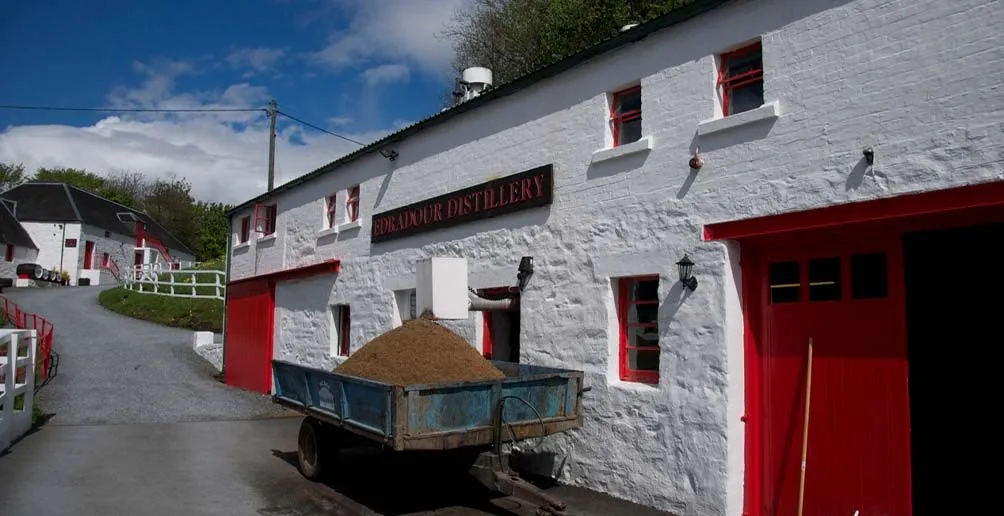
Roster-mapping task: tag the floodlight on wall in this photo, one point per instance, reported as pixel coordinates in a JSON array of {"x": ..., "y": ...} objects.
[
  {"x": 524, "y": 271},
  {"x": 869, "y": 154},
  {"x": 389, "y": 154},
  {"x": 686, "y": 268}
]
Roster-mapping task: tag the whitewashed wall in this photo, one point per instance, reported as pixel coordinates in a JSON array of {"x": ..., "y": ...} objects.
[
  {"x": 917, "y": 80},
  {"x": 49, "y": 237},
  {"x": 21, "y": 255}
]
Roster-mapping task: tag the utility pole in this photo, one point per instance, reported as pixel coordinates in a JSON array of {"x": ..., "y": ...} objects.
[{"x": 272, "y": 111}]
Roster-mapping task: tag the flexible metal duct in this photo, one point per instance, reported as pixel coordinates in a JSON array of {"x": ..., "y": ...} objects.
[{"x": 479, "y": 304}]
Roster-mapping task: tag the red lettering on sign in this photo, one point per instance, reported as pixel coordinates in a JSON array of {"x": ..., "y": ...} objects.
[{"x": 539, "y": 179}]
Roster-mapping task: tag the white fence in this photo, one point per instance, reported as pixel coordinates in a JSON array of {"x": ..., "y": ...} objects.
[
  {"x": 190, "y": 283},
  {"x": 17, "y": 351}
]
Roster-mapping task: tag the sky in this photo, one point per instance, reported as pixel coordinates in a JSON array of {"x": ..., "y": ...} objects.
[{"x": 360, "y": 68}]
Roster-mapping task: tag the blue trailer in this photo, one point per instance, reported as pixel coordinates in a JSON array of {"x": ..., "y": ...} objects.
[{"x": 477, "y": 417}]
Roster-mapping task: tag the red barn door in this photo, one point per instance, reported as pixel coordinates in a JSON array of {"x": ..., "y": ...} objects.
[
  {"x": 848, "y": 298},
  {"x": 248, "y": 346}
]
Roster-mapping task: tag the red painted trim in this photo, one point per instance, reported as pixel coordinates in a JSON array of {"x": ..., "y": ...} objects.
[
  {"x": 617, "y": 118},
  {"x": 910, "y": 205},
  {"x": 88, "y": 254},
  {"x": 326, "y": 267},
  {"x": 728, "y": 83},
  {"x": 752, "y": 308},
  {"x": 623, "y": 301},
  {"x": 352, "y": 203},
  {"x": 344, "y": 327},
  {"x": 486, "y": 334}
]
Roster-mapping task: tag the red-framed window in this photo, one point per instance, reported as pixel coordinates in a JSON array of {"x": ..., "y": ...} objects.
[
  {"x": 9, "y": 256},
  {"x": 740, "y": 77},
  {"x": 352, "y": 204},
  {"x": 330, "y": 208},
  {"x": 245, "y": 229},
  {"x": 341, "y": 320},
  {"x": 264, "y": 219},
  {"x": 625, "y": 115},
  {"x": 105, "y": 259},
  {"x": 638, "y": 319}
]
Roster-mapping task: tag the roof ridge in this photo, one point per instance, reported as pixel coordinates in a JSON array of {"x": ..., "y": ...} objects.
[
  {"x": 103, "y": 198},
  {"x": 73, "y": 204}
]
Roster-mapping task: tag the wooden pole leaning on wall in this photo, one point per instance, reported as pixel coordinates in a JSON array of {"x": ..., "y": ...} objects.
[{"x": 805, "y": 430}]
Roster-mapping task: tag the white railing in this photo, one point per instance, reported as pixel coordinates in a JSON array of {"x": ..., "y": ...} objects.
[
  {"x": 17, "y": 352},
  {"x": 190, "y": 283}
]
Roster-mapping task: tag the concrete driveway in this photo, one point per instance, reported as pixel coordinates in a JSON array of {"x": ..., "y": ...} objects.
[{"x": 141, "y": 426}]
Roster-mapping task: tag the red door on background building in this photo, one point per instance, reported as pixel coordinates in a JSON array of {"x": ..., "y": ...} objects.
[
  {"x": 248, "y": 346},
  {"x": 848, "y": 298},
  {"x": 88, "y": 254}
]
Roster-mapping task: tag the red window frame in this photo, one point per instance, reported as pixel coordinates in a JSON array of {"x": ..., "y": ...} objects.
[
  {"x": 9, "y": 256},
  {"x": 617, "y": 118},
  {"x": 352, "y": 204},
  {"x": 331, "y": 209},
  {"x": 245, "y": 229},
  {"x": 105, "y": 259},
  {"x": 345, "y": 320},
  {"x": 728, "y": 83},
  {"x": 264, "y": 218},
  {"x": 623, "y": 305}
]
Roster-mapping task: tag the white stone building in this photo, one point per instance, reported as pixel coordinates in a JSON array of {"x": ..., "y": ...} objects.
[
  {"x": 819, "y": 161},
  {"x": 87, "y": 235}
]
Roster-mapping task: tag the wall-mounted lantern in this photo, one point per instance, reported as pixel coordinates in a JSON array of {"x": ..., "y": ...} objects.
[
  {"x": 869, "y": 154},
  {"x": 687, "y": 273}
]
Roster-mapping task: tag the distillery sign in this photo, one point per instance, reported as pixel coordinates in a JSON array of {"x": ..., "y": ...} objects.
[{"x": 500, "y": 196}]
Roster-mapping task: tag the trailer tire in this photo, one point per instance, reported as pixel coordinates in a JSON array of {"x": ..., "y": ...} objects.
[{"x": 310, "y": 456}]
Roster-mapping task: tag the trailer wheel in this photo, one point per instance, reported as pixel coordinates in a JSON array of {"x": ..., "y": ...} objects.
[{"x": 309, "y": 453}]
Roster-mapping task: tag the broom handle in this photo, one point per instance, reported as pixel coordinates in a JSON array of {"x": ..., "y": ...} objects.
[{"x": 805, "y": 431}]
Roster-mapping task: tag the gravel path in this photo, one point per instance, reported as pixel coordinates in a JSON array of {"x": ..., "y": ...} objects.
[{"x": 115, "y": 369}]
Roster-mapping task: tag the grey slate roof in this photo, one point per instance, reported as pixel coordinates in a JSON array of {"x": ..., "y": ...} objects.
[
  {"x": 638, "y": 33},
  {"x": 11, "y": 231},
  {"x": 60, "y": 202}
]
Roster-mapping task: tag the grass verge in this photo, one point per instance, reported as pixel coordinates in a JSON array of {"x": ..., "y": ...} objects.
[{"x": 179, "y": 312}]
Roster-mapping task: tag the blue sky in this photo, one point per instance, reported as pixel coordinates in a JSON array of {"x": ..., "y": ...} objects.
[{"x": 362, "y": 68}]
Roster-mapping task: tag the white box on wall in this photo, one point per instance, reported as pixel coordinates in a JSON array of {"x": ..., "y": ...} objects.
[{"x": 441, "y": 287}]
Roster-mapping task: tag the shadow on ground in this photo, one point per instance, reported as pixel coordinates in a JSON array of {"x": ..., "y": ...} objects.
[{"x": 399, "y": 483}]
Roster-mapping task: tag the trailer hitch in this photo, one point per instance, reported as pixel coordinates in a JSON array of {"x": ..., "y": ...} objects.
[{"x": 492, "y": 471}]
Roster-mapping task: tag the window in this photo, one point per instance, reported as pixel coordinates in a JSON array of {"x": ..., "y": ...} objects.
[
  {"x": 638, "y": 317},
  {"x": 625, "y": 116},
  {"x": 105, "y": 259},
  {"x": 245, "y": 229},
  {"x": 869, "y": 277},
  {"x": 352, "y": 204},
  {"x": 785, "y": 282},
  {"x": 340, "y": 323},
  {"x": 824, "y": 279},
  {"x": 264, "y": 219},
  {"x": 10, "y": 253},
  {"x": 740, "y": 78},
  {"x": 330, "y": 203}
]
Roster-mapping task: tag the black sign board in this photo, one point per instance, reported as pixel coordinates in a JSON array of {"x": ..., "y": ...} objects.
[
  {"x": 71, "y": 242},
  {"x": 496, "y": 197}
]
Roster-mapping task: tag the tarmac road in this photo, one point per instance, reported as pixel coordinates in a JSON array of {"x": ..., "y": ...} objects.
[{"x": 140, "y": 426}]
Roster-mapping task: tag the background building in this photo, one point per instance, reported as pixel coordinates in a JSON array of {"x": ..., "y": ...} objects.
[
  {"x": 815, "y": 160},
  {"x": 84, "y": 234}
]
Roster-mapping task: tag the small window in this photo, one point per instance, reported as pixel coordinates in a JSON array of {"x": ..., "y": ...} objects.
[
  {"x": 105, "y": 259},
  {"x": 245, "y": 229},
  {"x": 824, "y": 279},
  {"x": 785, "y": 282},
  {"x": 352, "y": 204},
  {"x": 340, "y": 324},
  {"x": 740, "y": 78},
  {"x": 638, "y": 314},
  {"x": 330, "y": 205},
  {"x": 869, "y": 278},
  {"x": 264, "y": 222},
  {"x": 625, "y": 116},
  {"x": 10, "y": 253}
]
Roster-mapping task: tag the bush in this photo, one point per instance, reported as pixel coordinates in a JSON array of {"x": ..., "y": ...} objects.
[{"x": 179, "y": 312}]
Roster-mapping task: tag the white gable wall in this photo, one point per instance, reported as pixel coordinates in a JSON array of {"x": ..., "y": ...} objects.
[{"x": 914, "y": 79}]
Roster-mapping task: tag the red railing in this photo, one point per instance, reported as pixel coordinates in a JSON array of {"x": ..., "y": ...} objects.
[
  {"x": 29, "y": 321},
  {"x": 144, "y": 239},
  {"x": 112, "y": 267}
]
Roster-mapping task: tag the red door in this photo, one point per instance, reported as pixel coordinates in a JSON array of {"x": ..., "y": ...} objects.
[
  {"x": 248, "y": 346},
  {"x": 848, "y": 299},
  {"x": 88, "y": 254}
]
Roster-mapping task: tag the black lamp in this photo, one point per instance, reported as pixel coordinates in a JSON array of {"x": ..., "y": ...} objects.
[
  {"x": 687, "y": 273},
  {"x": 524, "y": 271}
]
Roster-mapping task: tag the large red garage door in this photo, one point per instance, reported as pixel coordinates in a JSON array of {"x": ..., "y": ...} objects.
[{"x": 248, "y": 346}]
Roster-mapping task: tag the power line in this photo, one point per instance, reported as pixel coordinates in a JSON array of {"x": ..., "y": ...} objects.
[
  {"x": 133, "y": 110},
  {"x": 312, "y": 126}
]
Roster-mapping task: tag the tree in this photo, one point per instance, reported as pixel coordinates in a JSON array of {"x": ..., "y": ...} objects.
[
  {"x": 74, "y": 176},
  {"x": 170, "y": 203},
  {"x": 11, "y": 175},
  {"x": 516, "y": 37},
  {"x": 127, "y": 187},
  {"x": 212, "y": 229}
]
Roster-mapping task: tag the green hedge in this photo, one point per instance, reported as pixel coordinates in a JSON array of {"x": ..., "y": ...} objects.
[{"x": 180, "y": 312}]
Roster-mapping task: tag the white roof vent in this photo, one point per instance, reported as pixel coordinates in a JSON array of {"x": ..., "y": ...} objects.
[{"x": 474, "y": 82}]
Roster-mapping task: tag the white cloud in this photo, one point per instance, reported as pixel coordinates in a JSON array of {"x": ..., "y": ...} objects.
[
  {"x": 392, "y": 29},
  {"x": 223, "y": 162},
  {"x": 259, "y": 59},
  {"x": 223, "y": 155},
  {"x": 386, "y": 74}
]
